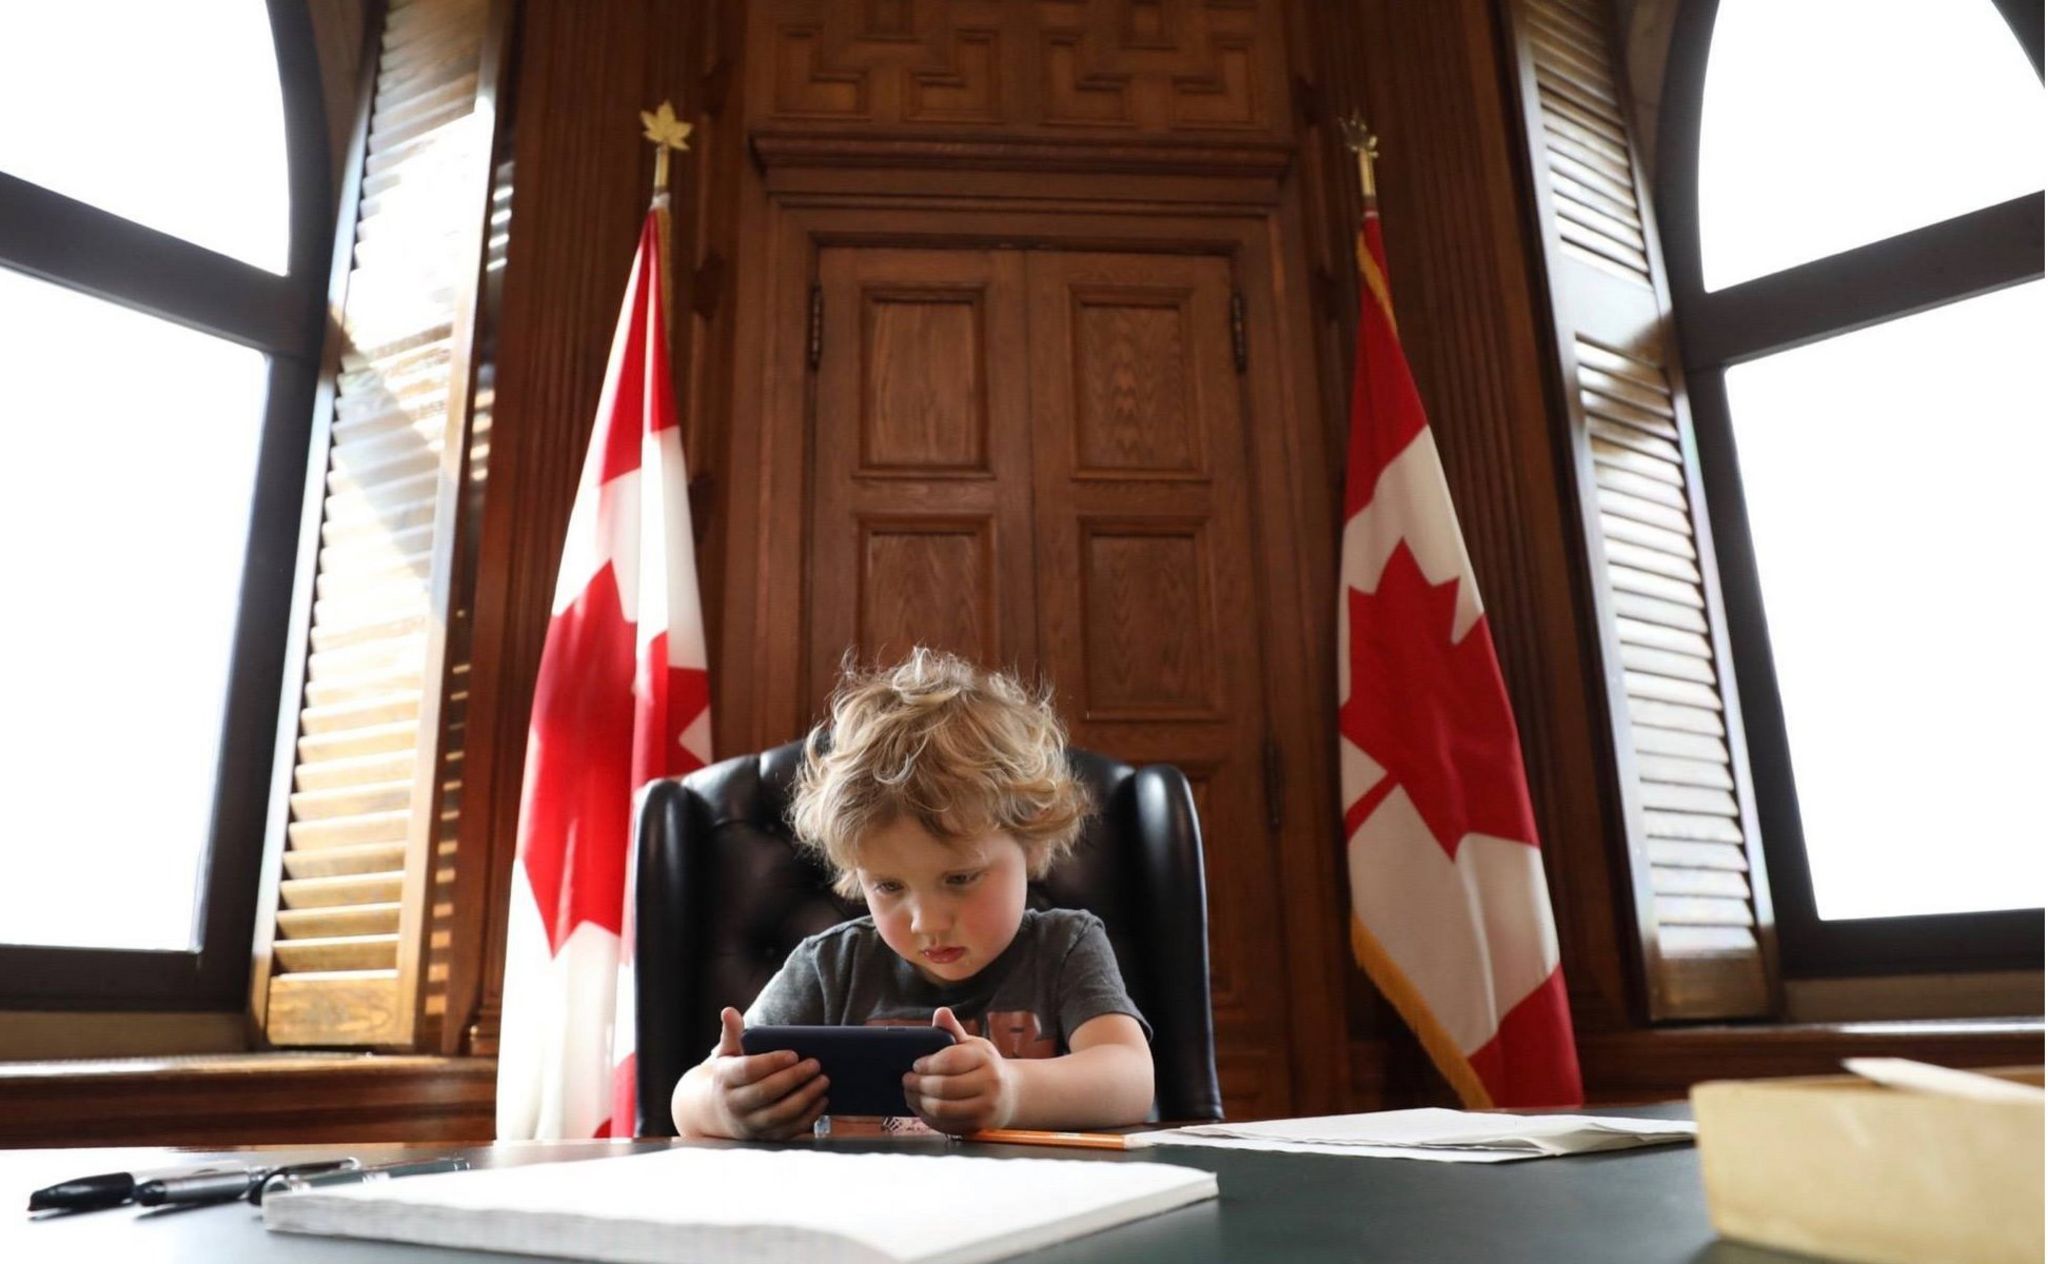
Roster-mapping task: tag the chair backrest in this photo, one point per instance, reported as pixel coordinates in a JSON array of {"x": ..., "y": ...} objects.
[{"x": 725, "y": 894}]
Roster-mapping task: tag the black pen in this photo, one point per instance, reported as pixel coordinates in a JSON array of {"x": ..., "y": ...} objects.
[
  {"x": 111, "y": 1189},
  {"x": 291, "y": 1183},
  {"x": 221, "y": 1187}
]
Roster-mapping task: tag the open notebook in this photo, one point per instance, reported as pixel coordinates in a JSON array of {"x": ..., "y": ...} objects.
[{"x": 752, "y": 1205}]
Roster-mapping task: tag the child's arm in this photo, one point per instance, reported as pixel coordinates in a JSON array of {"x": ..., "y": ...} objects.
[
  {"x": 1105, "y": 1081},
  {"x": 768, "y": 1096}
]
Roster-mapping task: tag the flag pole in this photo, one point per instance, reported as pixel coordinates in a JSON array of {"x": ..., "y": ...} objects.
[
  {"x": 666, "y": 132},
  {"x": 1363, "y": 142},
  {"x": 1360, "y": 140}
]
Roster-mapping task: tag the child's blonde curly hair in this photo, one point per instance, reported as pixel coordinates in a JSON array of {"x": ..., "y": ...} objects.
[{"x": 959, "y": 750}]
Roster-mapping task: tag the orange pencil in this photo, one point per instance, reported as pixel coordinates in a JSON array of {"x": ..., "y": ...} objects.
[{"x": 1026, "y": 1136}]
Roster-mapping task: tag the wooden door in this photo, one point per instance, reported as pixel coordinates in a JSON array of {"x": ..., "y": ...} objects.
[{"x": 1039, "y": 459}]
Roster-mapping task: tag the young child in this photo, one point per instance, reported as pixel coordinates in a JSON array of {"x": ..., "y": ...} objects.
[{"x": 934, "y": 791}]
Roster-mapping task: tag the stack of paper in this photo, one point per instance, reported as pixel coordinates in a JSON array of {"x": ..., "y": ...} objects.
[
  {"x": 1446, "y": 1136},
  {"x": 1947, "y": 1166},
  {"x": 758, "y": 1206}
]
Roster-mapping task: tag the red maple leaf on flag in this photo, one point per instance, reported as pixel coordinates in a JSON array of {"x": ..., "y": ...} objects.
[
  {"x": 584, "y": 694},
  {"x": 583, "y": 715},
  {"x": 1432, "y": 712}
]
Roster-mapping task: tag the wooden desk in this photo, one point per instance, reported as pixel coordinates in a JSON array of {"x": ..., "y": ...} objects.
[{"x": 1631, "y": 1207}]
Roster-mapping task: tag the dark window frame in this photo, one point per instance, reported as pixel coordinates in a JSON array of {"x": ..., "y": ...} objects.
[
  {"x": 59, "y": 239},
  {"x": 1971, "y": 254}
]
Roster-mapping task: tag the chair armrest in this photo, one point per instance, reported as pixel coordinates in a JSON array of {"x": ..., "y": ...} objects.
[
  {"x": 665, "y": 932},
  {"x": 1177, "y": 910}
]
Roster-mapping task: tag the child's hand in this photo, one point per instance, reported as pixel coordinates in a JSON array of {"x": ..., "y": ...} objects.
[
  {"x": 965, "y": 1086},
  {"x": 765, "y": 1097}
]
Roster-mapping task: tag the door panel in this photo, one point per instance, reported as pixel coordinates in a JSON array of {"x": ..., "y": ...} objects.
[{"x": 1143, "y": 524}]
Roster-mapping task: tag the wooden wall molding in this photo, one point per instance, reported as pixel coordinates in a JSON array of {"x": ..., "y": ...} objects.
[
  {"x": 1660, "y": 1064},
  {"x": 1258, "y": 160},
  {"x": 1066, "y": 65},
  {"x": 247, "y": 1099}
]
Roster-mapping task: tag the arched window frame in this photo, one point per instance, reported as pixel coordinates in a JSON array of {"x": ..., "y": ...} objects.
[
  {"x": 1959, "y": 258},
  {"x": 71, "y": 243}
]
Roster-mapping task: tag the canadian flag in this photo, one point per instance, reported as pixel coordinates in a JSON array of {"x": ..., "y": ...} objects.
[
  {"x": 1450, "y": 911},
  {"x": 623, "y": 698}
]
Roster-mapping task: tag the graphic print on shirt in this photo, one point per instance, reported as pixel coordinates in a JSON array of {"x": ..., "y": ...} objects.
[{"x": 1016, "y": 1033}]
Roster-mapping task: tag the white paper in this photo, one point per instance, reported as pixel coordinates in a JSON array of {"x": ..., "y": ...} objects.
[
  {"x": 1435, "y": 1133},
  {"x": 1346, "y": 1150},
  {"x": 695, "y": 1203}
]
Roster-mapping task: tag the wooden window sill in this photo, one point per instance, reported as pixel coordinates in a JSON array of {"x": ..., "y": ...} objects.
[
  {"x": 1657, "y": 1064},
  {"x": 247, "y": 1099}
]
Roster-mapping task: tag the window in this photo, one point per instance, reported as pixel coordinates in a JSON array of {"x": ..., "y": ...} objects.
[
  {"x": 208, "y": 166},
  {"x": 1938, "y": 575},
  {"x": 1851, "y": 196},
  {"x": 1862, "y": 120},
  {"x": 164, "y": 237},
  {"x": 125, "y": 630}
]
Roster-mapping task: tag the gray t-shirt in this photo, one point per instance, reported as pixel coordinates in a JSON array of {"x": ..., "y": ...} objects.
[{"x": 1056, "y": 974}]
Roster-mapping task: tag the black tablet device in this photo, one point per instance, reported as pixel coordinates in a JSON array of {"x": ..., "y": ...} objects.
[{"x": 865, "y": 1064}]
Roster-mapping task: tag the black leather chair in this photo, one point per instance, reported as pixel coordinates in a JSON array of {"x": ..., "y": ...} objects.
[{"x": 724, "y": 894}]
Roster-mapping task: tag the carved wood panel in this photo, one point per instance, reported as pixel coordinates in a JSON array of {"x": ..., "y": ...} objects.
[
  {"x": 1115, "y": 65},
  {"x": 927, "y": 582},
  {"x": 1151, "y": 633},
  {"x": 924, "y": 403},
  {"x": 1135, "y": 414}
]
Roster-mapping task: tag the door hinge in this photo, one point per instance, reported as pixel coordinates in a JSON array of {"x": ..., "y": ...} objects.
[
  {"x": 817, "y": 343},
  {"x": 1237, "y": 327},
  {"x": 1308, "y": 101},
  {"x": 1276, "y": 785}
]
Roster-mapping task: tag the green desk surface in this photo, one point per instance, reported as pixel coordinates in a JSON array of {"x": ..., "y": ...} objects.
[{"x": 1629, "y": 1207}]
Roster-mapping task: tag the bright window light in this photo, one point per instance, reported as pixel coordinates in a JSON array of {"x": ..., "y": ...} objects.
[
  {"x": 1830, "y": 124},
  {"x": 124, "y": 503},
  {"x": 1892, "y": 478},
  {"x": 166, "y": 114}
]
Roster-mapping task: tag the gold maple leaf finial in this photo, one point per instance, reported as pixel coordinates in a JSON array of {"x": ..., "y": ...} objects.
[
  {"x": 667, "y": 132},
  {"x": 1361, "y": 140},
  {"x": 664, "y": 128}
]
